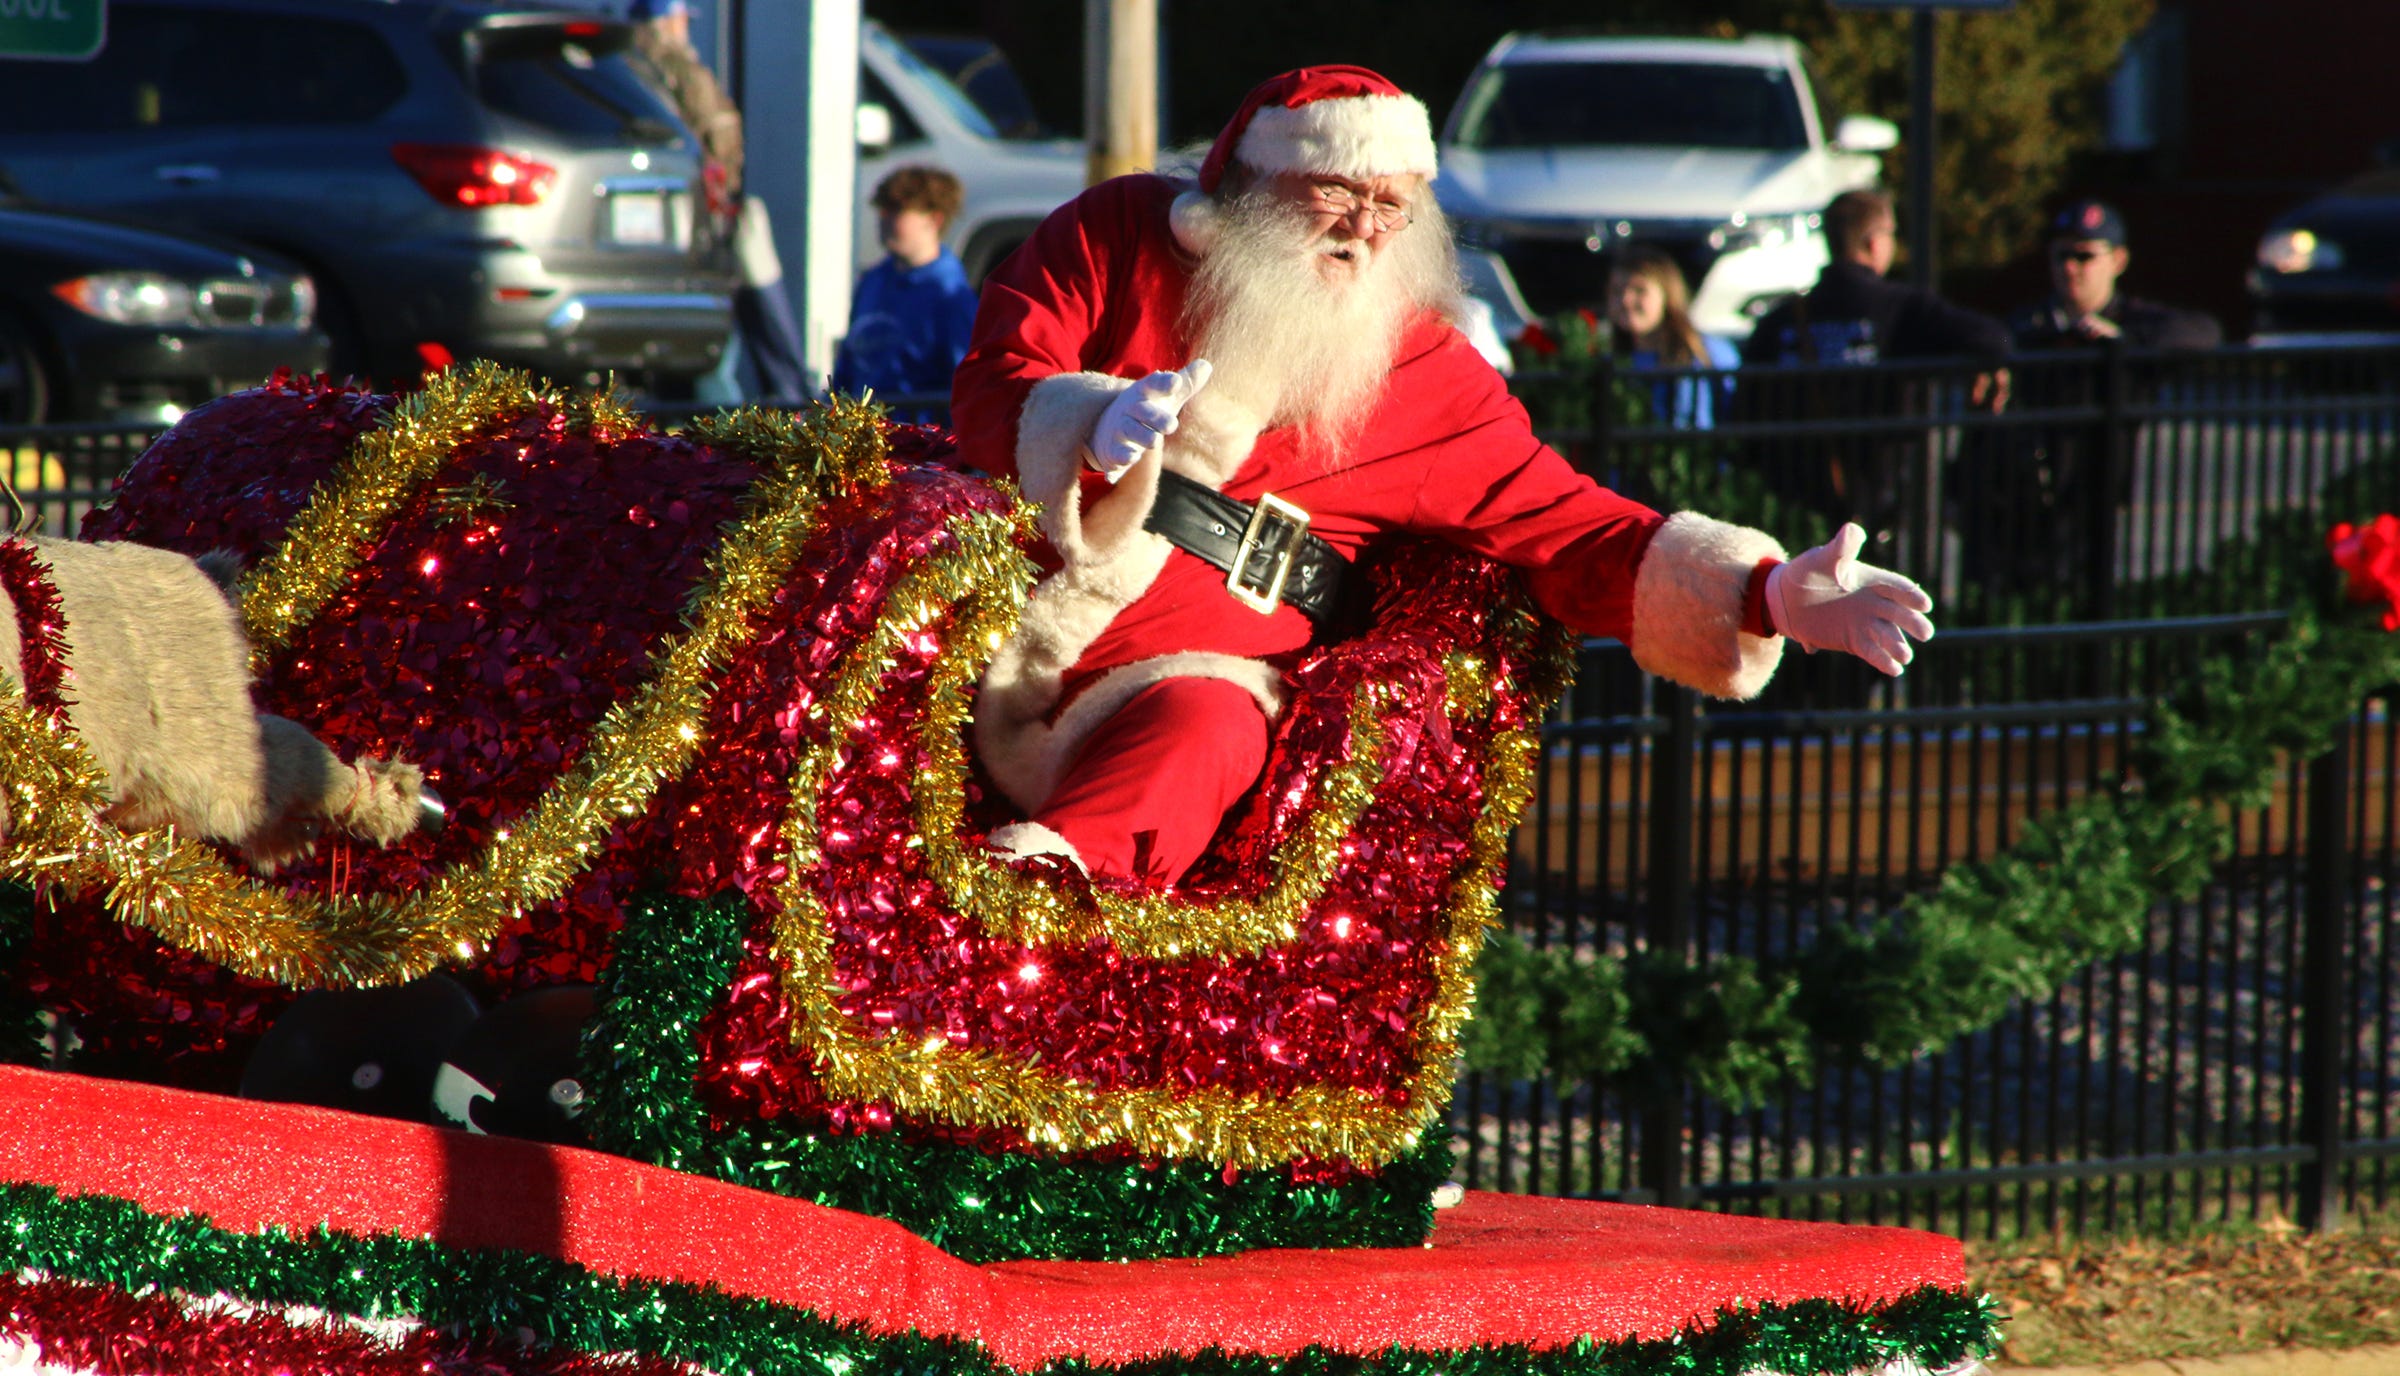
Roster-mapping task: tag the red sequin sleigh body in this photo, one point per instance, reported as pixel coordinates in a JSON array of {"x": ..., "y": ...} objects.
[{"x": 1292, "y": 1006}]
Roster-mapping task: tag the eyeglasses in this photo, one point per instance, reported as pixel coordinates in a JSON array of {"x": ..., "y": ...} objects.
[{"x": 1342, "y": 202}]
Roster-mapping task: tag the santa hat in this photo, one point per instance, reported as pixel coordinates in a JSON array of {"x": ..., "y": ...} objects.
[{"x": 1337, "y": 121}]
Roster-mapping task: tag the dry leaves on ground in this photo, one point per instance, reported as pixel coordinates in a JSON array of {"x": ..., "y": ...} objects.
[{"x": 2074, "y": 1303}]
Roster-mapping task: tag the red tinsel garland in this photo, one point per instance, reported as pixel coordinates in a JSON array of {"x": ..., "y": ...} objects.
[
  {"x": 71, "y": 1326},
  {"x": 41, "y": 624}
]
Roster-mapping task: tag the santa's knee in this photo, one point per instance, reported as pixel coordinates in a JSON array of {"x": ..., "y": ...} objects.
[{"x": 1148, "y": 790}]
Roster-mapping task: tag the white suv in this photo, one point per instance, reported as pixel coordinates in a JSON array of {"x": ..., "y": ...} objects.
[{"x": 1562, "y": 148}]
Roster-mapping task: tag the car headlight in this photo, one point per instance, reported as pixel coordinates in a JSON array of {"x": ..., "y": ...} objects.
[
  {"x": 1763, "y": 231},
  {"x": 303, "y": 302},
  {"x": 130, "y": 298},
  {"x": 2298, "y": 250}
]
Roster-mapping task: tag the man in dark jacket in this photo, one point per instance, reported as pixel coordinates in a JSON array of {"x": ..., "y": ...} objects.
[
  {"x": 1853, "y": 316},
  {"x": 2087, "y": 256},
  {"x": 2039, "y": 503}
]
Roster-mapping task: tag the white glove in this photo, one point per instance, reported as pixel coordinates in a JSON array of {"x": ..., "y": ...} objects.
[
  {"x": 1827, "y": 600},
  {"x": 1142, "y": 416}
]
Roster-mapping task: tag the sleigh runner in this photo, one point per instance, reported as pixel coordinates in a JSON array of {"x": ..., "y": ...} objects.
[{"x": 698, "y": 708}]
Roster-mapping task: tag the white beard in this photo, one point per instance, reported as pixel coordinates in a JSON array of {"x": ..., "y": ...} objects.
[{"x": 1302, "y": 328}]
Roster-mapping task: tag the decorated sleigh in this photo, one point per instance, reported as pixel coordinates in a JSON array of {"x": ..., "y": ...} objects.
[{"x": 823, "y": 1083}]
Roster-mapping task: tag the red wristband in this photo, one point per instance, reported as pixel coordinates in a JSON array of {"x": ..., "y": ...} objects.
[{"x": 1754, "y": 599}]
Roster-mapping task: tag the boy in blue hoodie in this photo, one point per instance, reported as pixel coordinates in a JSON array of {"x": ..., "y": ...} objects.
[{"x": 913, "y": 312}]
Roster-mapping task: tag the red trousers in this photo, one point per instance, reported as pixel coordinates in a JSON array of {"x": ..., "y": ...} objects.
[{"x": 1145, "y": 794}]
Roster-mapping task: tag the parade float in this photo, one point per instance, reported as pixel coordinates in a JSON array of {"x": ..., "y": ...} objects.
[{"x": 708, "y": 1036}]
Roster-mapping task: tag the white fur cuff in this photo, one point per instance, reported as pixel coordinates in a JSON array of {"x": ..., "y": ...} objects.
[
  {"x": 1687, "y": 607},
  {"x": 1054, "y": 427},
  {"x": 1024, "y": 840}
]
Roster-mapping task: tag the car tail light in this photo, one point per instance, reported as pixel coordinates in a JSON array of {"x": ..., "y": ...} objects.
[{"x": 462, "y": 174}]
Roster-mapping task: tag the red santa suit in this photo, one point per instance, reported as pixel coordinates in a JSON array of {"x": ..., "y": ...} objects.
[{"x": 1093, "y": 303}]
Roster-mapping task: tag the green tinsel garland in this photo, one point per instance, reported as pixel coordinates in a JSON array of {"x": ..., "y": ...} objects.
[
  {"x": 116, "y": 1242},
  {"x": 675, "y": 957},
  {"x": 2076, "y": 887}
]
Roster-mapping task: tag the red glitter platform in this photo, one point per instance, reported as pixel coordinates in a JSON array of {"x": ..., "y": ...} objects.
[{"x": 1499, "y": 1268}]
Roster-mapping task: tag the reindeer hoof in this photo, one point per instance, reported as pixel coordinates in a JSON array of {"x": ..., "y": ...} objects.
[{"x": 432, "y": 814}]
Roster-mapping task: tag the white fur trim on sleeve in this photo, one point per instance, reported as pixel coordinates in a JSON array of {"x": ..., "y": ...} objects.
[
  {"x": 1687, "y": 607},
  {"x": 1052, "y": 432},
  {"x": 1055, "y": 426},
  {"x": 1351, "y": 136}
]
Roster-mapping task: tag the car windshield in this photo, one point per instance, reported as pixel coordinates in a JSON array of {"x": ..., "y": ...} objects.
[
  {"x": 978, "y": 67},
  {"x": 570, "y": 79},
  {"x": 961, "y": 107},
  {"x": 1669, "y": 104}
]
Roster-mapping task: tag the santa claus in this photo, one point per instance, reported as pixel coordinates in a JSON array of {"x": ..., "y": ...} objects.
[{"x": 1221, "y": 390}]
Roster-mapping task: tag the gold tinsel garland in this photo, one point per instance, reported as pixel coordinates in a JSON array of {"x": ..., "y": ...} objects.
[
  {"x": 349, "y": 512},
  {"x": 933, "y": 1080},
  {"x": 182, "y": 891}
]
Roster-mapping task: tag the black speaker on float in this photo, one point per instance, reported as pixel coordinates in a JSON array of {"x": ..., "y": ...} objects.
[
  {"x": 515, "y": 1072},
  {"x": 367, "y": 1050}
]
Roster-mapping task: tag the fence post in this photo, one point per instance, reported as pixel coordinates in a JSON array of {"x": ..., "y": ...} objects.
[
  {"x": 2324, "y": 1002},
  {"x": 1673, "y": 820},
  {"x": 2116, "y": 465},
  {"x": 1604, "y": 467}
]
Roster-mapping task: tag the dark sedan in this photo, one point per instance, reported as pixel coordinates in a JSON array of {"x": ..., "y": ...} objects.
[
  {"x": 104, "y": 322},
  {"x": 2333, "y": 263}
]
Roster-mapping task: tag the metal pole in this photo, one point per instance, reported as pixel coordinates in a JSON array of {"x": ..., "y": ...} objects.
[
  {"x": 1921, "y": 260},
  {"x": 1674, "y": 806},
  {"x": 806, "y": 57},
  {"x": 2116, "y": 464},
  {"x": 2324, "y": 1009}
]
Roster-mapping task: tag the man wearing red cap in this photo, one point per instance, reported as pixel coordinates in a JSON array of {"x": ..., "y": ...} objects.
[{"x": 1220, "y": 390}]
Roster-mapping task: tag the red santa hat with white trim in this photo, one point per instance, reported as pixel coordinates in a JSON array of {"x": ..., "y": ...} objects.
[
  {"x": 1337, "y": 121},
  {"x": 1332, "y": 121}
]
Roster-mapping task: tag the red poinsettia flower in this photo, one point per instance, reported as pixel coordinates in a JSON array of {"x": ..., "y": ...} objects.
[
  {"x": 1534, "y": 337},
  {"x": 2370, "y": 554}
]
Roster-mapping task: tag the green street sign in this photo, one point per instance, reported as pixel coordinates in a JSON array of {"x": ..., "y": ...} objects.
[{"x": 61, "y": 30}]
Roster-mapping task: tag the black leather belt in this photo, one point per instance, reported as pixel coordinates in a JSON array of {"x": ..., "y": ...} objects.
[{"x": 1266, "y": 551}]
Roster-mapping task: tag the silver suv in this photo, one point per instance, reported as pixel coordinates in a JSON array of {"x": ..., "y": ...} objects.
[{"x": 460, "y": 179}]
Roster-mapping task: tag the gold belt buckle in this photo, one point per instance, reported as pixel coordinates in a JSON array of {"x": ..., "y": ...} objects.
[{"x": 1289, "y": 528}]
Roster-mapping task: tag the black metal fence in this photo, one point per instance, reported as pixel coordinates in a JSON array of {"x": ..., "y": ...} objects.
[
  {"x": 62, "y": 471},
  {"x": 2238, "y": 1063}
]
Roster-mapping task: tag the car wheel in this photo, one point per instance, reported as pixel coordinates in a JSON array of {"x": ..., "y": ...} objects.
[
  {"x": 24, "y": 381},
  {"x": 991, "y": 248}
]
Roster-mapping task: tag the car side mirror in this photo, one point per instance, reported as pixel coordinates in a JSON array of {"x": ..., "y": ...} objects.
[
  {"x": 874, "y": 127},
  {"x": 1865, "y": 134}
]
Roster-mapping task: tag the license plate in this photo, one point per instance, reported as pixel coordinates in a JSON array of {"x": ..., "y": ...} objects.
[{"x": 637, "y": 217}]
